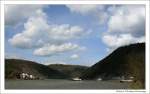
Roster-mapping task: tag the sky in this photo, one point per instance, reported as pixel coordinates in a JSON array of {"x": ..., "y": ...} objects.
[{"x": 71, "y": 34}]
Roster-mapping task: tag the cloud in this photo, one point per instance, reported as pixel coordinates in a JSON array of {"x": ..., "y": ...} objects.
[
  {"x": 12, "y": 56},
  {"x": 126, "y": 25},
  {"x": 16, "y": 13},
  {"x": 127, "y": 19},
  {"x": 45, "y": 38},
  {"x": 37, "y": 32},
  {"x": 56, "y": 49},
  {"x": 103, "y": 17},
  {"x": 34, "y": 28},
  {"x": 97, "y": 11},
  {"x": 82, "y": 9},
  {"x": 74, "y": 56},
  {"x": 54, "y": 62},
  {"x": 114, "y": 41},
  {"x": 65, "y": 32}
]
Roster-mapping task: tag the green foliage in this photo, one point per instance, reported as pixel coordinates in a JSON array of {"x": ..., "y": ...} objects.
[
  {"x": 55, "y": 71},
  {"x": 137, "y": 85},
  {"x": 70, "y": 70},
  {"x": 15, "y": 66}
]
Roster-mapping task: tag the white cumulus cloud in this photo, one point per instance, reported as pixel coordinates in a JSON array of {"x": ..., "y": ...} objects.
[
  {"x": 81, "y": 8},
  {"x": 126, "y": 25},
  {"x": 74, "y": 56},
  {"x": 127, "y": 19},
  {"x": 65, "y": 32},
  {"x": 15, "y": 13},
  {"x": 114, "y": 41},
  {"x": 38, "y": 32},
  {"x": 95, "y": 10},
  {"x": 56, "y": 49},
  {"x": 34, "y": 29},
  {"x": 41, "y": 36}
]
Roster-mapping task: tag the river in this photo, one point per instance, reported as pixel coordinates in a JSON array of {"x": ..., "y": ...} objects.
[{"x": 64, "y": 84}]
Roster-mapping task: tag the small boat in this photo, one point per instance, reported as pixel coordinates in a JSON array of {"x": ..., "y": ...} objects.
[
  {"x": 99, "y": 79},
  {"x": 126, "y": 80},
  {"x": 76, "y": 79}
]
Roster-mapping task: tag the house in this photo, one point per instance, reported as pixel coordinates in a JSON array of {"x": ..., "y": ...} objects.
[{"x": 26, "y": 76}]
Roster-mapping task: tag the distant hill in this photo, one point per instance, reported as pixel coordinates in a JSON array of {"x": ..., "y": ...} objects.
[
  {"x": 125, "y": 61},
  {"x": 15, "y": 66},
  {"x": 70, "y": 70}
]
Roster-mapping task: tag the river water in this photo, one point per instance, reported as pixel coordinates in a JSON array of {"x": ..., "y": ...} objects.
[{"x": 64, "y": 84}]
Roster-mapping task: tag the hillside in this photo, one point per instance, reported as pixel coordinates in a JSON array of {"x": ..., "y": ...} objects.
[
  {"x": 15, "y": 66},
  {"x": 70, "y": 70},
  {"x": 125, "y": 61}
]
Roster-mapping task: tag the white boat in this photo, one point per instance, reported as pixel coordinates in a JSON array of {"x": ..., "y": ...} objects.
[
  {"x": 99, "y": 79},
  {"x": 126, "y": 80},
  {"x": 76, "y": 79}
]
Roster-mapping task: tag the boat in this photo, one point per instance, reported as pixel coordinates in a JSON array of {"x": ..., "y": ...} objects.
[
  {"x": 76, "y": 79},
  {"x": 99, "y": 79},
  {"x": 126, "y": 80}
]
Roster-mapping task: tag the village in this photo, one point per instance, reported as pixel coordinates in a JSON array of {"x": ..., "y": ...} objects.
[{"x": 26, "y": 76}]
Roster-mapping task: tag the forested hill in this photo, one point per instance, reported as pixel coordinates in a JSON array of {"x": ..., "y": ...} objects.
[
  {"x": 125, "y": 61},
  {"x": 15, "y": 66}
]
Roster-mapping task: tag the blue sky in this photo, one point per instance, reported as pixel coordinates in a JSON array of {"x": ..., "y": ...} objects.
[{"x": 71, "y": 34}]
